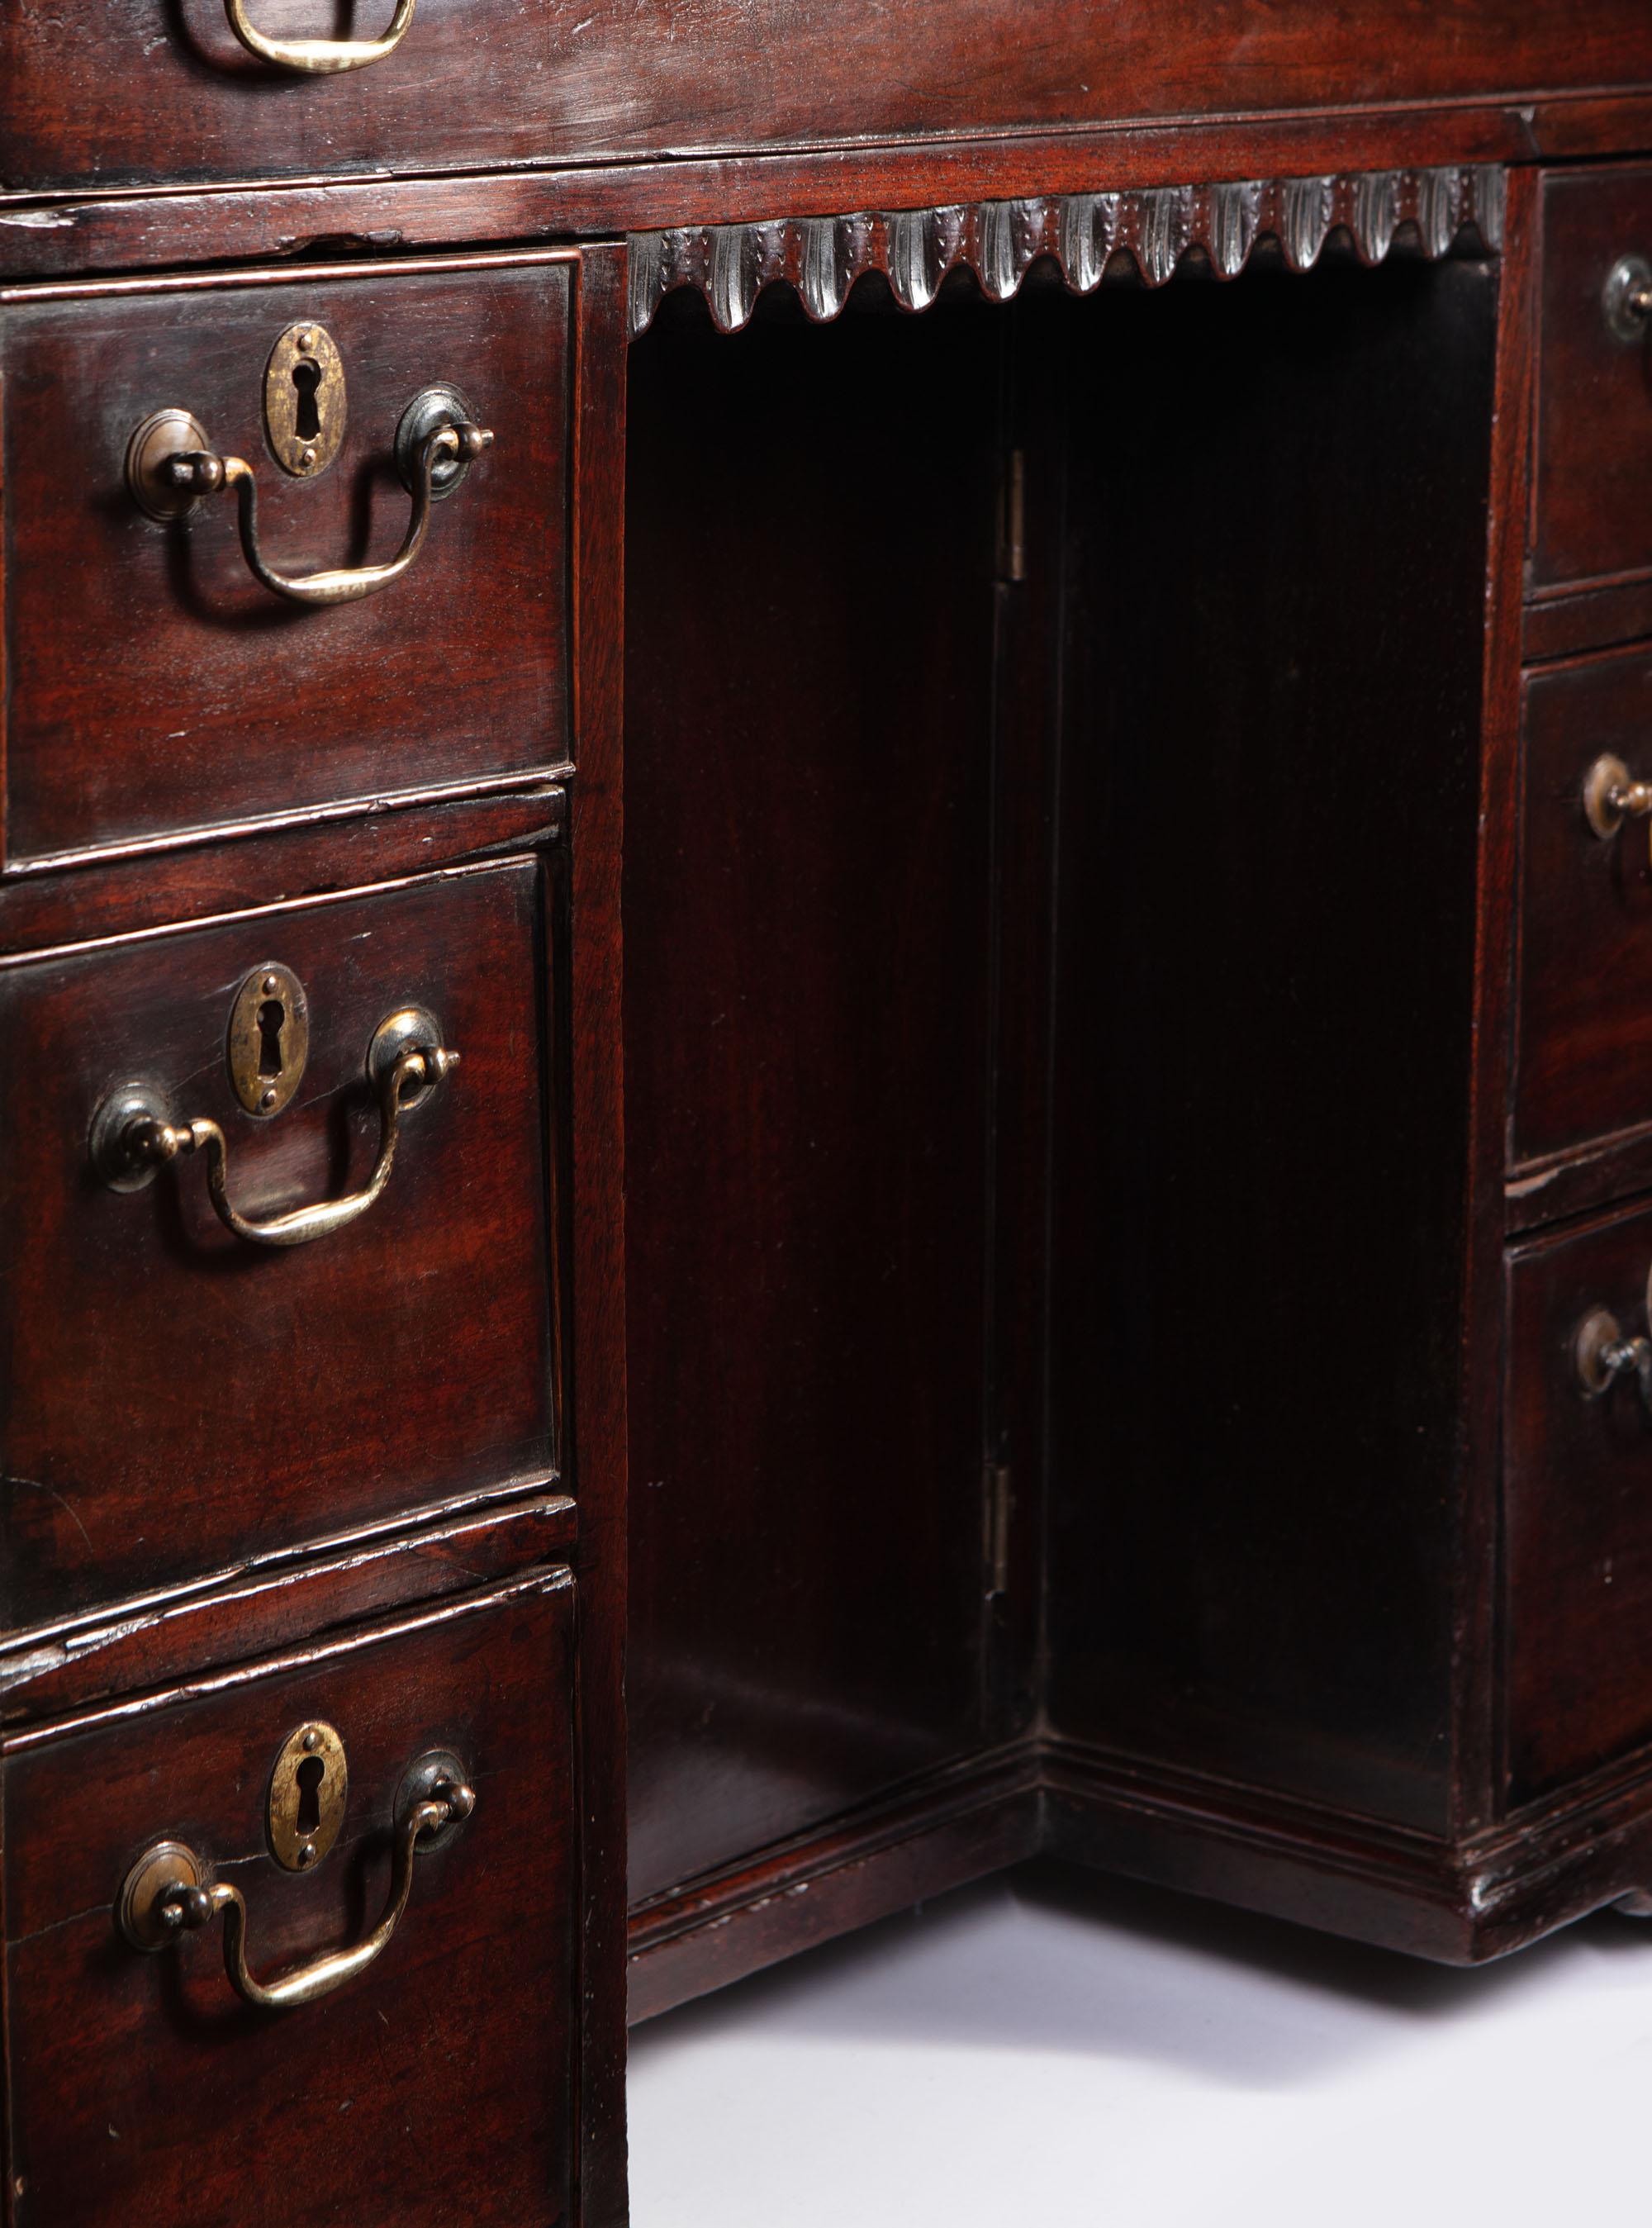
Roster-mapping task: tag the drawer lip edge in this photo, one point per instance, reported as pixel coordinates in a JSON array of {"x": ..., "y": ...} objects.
[
  {"x": 26, "y": 294},
  {"x": 406, "y": 1528},
  {"x": 554, "y": 1578},
  {"x": 547, "y": 780},
  {"x": 512, "y": 859}
]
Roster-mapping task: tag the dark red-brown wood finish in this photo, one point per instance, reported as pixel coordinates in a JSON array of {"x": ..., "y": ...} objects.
[
  {"x": 345, "y": 1479},
  {"x": 1579, "y": 1559},
  {"x": 140, "y": 2084},
  {"x": 170, "y": 692},
  {"x": 808, "y": 947},
  {"x": 1585, "y": 1054},
  {"x": 1262, "y": 1066},
  {"x": 1110, "y": 938},
  {"x": 298, "y": 1389},
  {"x": 1592, "y": 471},
  {"x": 591, "y": 1221},
  {"x": 110, "y": 97}
]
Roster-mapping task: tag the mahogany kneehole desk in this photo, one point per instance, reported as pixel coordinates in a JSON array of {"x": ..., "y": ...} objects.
[{"x": 825, "y": 935}]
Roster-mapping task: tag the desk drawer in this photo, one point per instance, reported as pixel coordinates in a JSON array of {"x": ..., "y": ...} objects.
[
  {"x": 435, "y": 2086},
  {"x": 182, "y": 1398},
  {"x": 1578, "y": 1519},
  {"x": 1594, "y": 448},
  {"x": 127, "y": 93},
  {"x": 1585, "y": 1052},
  {"x": 157, "y": 686}
]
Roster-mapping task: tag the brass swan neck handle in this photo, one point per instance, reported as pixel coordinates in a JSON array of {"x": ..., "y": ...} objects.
[
  {"x": 171, "y": 467},
  {"x": 319, "y": 57},
  {"x": 167, "y": 1895},
  {"x": 133, "y": 1135}
]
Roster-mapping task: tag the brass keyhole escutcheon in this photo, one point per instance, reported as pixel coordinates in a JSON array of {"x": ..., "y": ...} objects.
[
  {"x": 305, "y": 406},
  {"x": 269, "y": 1039},
  {"x": 308, "y": 1791}
]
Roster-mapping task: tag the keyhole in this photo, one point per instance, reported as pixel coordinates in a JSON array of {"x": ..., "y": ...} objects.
[
  {"x": 306, "y": 377},
  {"x": 312, "y": 1771},
  {"x": 272, "y": 1021}
]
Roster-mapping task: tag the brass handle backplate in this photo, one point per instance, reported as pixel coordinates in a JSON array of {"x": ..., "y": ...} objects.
[
  {"x": 133, "y": 1135},
  {"x": 172, "y": 468},
  {"x": 319, "y": 57},
  {"x": 169, "y": 1893}
]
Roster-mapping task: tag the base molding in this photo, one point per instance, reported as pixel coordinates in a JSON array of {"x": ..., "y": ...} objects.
[
  {"x": 1461, "y": 1902},
  {"x": 1457, "y": 1903},
  {"x": 951, "y": 1827}
]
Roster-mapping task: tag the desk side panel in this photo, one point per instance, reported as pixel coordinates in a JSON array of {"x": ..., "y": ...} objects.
[
  {"x": 1276, "y": 554},
  {"x": 807, "y": 898}
]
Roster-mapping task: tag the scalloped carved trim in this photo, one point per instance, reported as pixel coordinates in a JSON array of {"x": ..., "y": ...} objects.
[{"x": 1000, "y": 242}]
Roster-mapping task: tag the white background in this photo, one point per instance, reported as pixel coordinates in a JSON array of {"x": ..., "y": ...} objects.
[{"x": 1056, "y": 2049}]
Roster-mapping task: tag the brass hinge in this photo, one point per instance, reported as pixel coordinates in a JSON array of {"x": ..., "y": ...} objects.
[
  {"x": 995, "y": 1540},
  {"x": 1012, "y": 518}
]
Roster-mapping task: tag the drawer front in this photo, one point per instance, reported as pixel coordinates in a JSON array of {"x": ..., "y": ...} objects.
[
  {"x": 1584, "y": 1052},
  {"x": 157, "y": 686},
  {"x": 436, "y": 2084},
  {"x": 122, "y": 93},
  {"x": 1594, "y": 446},
  {"x": 124, "y": 90},
  {"x": 182, "y": 1398},
  {"x": 1579, "y": 1518}
]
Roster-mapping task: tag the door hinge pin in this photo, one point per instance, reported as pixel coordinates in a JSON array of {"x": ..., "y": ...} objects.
[
  {"x": 997, "y": 1540},
  {"x": 1012, "y": 518}
]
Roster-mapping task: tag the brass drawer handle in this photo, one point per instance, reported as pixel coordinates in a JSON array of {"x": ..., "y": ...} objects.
[
  {"x": 1628, "y": 299},
  {"x": 1603, "y": 1354},
  {"x": 132, "y": 1135},
  {"x": 1611, "y": 796},
  {"x": 171, "y": 467},
  {"x": 319, "y": 57},
  {"x": 166, "y": 1895}
]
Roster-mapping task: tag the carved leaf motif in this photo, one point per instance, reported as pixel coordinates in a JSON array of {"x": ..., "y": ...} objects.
[
  {"x": 733, "y": 285},
  {"x": 1234, "y": 219},
  {"x": 1376, "y": 214},
  {"x": 1438, "y": 206},
  {"x": 997, "y": 267},
  {"x": 1077, "y": 243},
  {"x": 826, "y": 277},
  {"x": 1309, "y": 206},
  {"x": 1000, "y": 242},
  {"x": 1163, "y": 232},
  {"x": 1488, "y": 199},
  {"x": 916, "y": 282}
]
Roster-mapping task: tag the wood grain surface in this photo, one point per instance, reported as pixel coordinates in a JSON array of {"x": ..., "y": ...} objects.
[
  {"x": 1579, "y": 1541},
  {"x": 1584, "y": 1051},
  {"x": 1266, "y": 966},
  {"x": 249, "y": 1398},
  {"x": 441, "y": 2080},
  {"x": 808, "y": 931},
  {"x": 1593, "y": 486},
  {"x": 109, "y": 96},
  {"x": 155, "y": 685}
]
